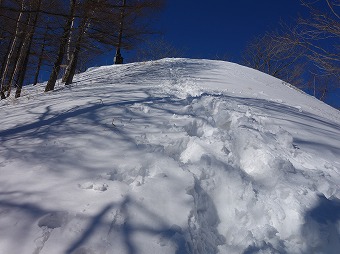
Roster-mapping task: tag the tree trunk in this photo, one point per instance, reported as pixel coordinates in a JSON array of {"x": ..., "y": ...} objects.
[
  {"x": 27, "y": 52},
  {"x": 73, "y": 58},
  {"x": 19, "y": 63},
  {"x": 16, "y": 57},
  {"x": 71, "y": 68},
  {"x": 69, "y": 42},
  {"x": 2, "y": 92},
  {"x": 11, "y": 51},
  {"x": 68, "y": 52},
  {"x": 118, "y": 59},
  {"x": 62, "y": 47},
  {"x": 40, "y": 60},
  {"x": 22, "y": 73}
]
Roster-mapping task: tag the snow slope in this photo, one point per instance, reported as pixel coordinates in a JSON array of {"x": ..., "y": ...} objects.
[{"x": 170, "y": 156}]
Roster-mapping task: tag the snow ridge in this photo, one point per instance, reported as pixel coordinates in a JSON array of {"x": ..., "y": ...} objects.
[{"x": 171, "y": 156}]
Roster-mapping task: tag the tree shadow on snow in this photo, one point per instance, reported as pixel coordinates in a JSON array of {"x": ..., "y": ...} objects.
[
  {"x": 24, "y": 217},
  {"x": 320, "y": 229},
  {"x": 38, "y": 141},
  {"x": 32, "y": 215},
  {"x": 127, "y": 227},
  {"x": 322, "y": 226},
  {"x": 263, "y": 248}
]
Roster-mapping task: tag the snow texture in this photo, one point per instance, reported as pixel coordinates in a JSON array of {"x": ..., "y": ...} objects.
[{"x": 169, "y": 156}]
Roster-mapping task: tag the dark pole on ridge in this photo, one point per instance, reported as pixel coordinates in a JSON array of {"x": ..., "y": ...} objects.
[{"x": 118, "y": 59}]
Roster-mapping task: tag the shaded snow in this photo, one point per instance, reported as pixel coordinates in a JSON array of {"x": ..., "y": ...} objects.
[{"x": 171, "y": 156}]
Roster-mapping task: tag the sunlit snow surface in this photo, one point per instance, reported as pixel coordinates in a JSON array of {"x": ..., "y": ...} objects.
[{"x": 171, "y": 156}]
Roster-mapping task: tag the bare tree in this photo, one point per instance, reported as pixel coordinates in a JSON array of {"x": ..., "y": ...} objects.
[
  {"x": 118, "y": 59},
  {"x": 321, "y": 33},
  {"x": 88, "y": 16},
  {"x": 111, "y": 23},
  {"x": 41, "y": 55},
  {"x": 26, "y": 49},
  {"x": 278, "y": 54},
  {"x": 307, "y": 54},
  {"x": 157, "y": 49},
  {"x": 62, "y": 47},
  {"x": 91, "y": 26},
  {"x": 23, "y": 42},
  {"x": 12, "y": 49}
]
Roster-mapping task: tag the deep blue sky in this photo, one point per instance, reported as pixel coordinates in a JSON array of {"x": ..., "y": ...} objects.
[{"x": 206, "y": 29}]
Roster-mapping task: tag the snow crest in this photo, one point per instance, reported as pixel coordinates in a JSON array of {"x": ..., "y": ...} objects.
[{"x": 171, "y": 156}]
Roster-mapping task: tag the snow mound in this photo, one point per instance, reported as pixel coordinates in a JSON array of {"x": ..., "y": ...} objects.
[{"x": 170, "y": 156}]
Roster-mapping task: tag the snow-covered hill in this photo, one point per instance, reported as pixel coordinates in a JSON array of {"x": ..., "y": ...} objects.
[{"x": 170, "y": 156}]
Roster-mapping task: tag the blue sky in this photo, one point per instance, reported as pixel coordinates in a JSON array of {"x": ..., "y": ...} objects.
[{"x": 206, "y": 29}]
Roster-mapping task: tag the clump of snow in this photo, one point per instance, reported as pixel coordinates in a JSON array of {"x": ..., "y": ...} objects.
[{"x": 170, "y": 156}]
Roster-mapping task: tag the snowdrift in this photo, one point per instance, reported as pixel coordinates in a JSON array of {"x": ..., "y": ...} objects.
[{"x": 170, "y": 156}]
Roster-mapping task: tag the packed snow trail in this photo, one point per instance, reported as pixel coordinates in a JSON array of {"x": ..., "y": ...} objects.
[{"x": 170, "y": 156}]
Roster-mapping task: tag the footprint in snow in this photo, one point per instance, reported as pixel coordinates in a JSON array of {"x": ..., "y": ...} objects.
[
  {"x": 47, "y": 224},
  {"x": 173, "y": 234},
  {"x": 52, "y": 220},
  {"x": 93, "y": 186}
]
